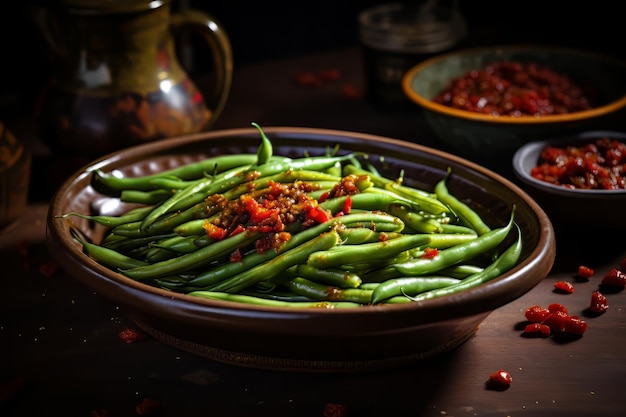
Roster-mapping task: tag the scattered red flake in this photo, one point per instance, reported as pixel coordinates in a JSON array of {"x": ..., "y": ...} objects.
[
  {"x": 335, "y": 410},
  {"x": 11, "y": 389},
  {"x": 49, "y": 268},
  {"x": 556, "y": 318},
  {"x": 564, "y": 287},
  {"x": 557, "y": 307},
  {"x": 147, "y": 406},
  {"x": 614, "y": 278},
  {"x": 307, "y": 79},
  {"x": 536, "y": 314},
  {"x": 131, "y": 336},
  {"x": 235, "y": 256},
  {"x": 351, "y": 91},
  {"x": 599, "y": 303},
  {"x": 501, "y": 377},
  {"x": 585, "y": 272},
  {"x": 329, "y": 74},
  {"x": 537, "y": 329},
  {"x": 430, "y": 253}
]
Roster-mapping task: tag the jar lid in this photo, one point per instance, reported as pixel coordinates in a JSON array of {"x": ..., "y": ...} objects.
[{"x": 410, "y": 28}]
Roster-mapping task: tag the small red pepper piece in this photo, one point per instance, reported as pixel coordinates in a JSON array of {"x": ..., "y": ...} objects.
[
  {"x": 536, "y": 314},
  {"x": 564, "y": 287},
  {"x": 614, "y": 278},
  {"x": 430, "y": 253},
  {"x": 131, "y": 336},
  {"x": 585, "y": 272},
  {"x": 599, "y": 302},
  {"x": 557, "y": 307},
  {"x": 538, "y": 329},
  {"x": 501, "y": 377}
]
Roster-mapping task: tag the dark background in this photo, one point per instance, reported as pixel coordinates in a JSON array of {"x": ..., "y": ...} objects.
[{"x": 268, "y": 30}]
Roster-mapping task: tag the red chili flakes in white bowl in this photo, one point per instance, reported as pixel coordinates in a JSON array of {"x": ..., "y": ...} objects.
[{"x": 599, "y": 165}]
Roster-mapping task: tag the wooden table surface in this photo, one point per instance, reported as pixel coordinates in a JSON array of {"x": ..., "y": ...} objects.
[{"x": 62, "y": 354}]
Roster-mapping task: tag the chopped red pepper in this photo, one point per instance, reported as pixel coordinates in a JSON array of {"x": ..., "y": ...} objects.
[
  {"x": 564, "y": 286},
  {"x": 538, "y": 329},
  {"x": 347, "y": 205},
  {"x": 599, "y": 302},
  {"x": 585, "y": 272},
  {"x": 536, "y": 314},
  {"x": 131, "y": 336},
  {"x": 614, "y": 278},
  {"x": 501, "y": 377},
  {"x": 430, "y": 253},
  {"x": 317, "y": 214},
  {"x": 554, "y": 307}
]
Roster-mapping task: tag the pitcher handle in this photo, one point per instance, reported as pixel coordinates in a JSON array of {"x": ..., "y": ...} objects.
[{"x": 214, "y": 34}]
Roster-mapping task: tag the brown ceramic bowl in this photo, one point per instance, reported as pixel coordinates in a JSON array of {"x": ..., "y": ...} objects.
[
  {"x": 595, "y": 210},
  {"x": 485, "y": 138},
  {"x": 301, "y": 339}
]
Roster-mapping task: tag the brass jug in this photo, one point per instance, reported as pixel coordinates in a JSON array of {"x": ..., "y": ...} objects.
[{"x": 117, "y": 80}]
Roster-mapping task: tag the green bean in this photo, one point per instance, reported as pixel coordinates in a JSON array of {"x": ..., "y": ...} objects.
[
  {"x": 348, "y": 254},
  {"x": 456, "y": 254},
  {"x": 265, "y": 150},
  {"x": 189, "y": 171},
  {"x": 358, "y": 235},
  {"x": 461, "y": 271},
  {"x": 462, "y": 210},
  {"x": 365, "y": 201},
  {"x": 225, "y": 271},
  {"x": 247, "y": 299},
  {"x": 125, "y": 244},
  {"x": 322, "y": 292},
  {"x": 194, "y": 260},
  {"x": 109, "y": 257},
  {"x": 423, "y": 198},
  {"x": 414, "y": 220},
  {"x": 113, "y": 221},
  {"x": 507, "y": 260},
  {"x": 270, "y": 269},
  {"x": 335, "y": 277},
  {"x": 151, "y": 197},
  {"x": 409, "y": 286},
  {"x": 447, "y": 240}
]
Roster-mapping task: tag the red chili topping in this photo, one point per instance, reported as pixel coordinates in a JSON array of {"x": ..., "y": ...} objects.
[
  {"x": 599, "y": 303},
  {"x": 131, "y": 336},
  {"x": 564, "y": 286},
  {"x": 430, "y": 253},
  {"x": 514, "y": 89},
  {"x": 585, "y": 272},
  {"x": 501, "y": 377},
  {"x": 538, "y": 329},
  {"x": 598, "y": 165},
  {"x": 614, "y": 278},
  {"x": 536, "y": 314},
  {"x": 557, "y": 307}
]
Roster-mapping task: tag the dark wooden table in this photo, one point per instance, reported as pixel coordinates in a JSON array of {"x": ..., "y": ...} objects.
[{"x": 61, "y": 353}]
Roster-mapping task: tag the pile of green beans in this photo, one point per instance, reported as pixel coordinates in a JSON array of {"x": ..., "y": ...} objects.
[{"x": 381, "y": 242}]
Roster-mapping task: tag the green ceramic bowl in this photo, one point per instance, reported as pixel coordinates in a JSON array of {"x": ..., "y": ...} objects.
[{"x": 485, "y": 138}]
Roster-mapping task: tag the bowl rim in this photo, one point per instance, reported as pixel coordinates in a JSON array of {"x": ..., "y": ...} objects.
[
  {"x": 430, "y": 105},
  {"x": 478, "y": 299},
  {"x": 532, "y": 149}
]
